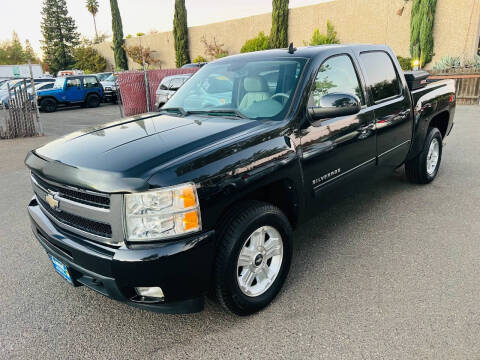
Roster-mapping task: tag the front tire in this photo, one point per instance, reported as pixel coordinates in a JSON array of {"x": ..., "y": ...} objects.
[
  {"x": 253, "y": 257},
  {"x": 48, "y": 105},
  {"x": 423, "y": 168},
  {"x": 93, "y": 101}
]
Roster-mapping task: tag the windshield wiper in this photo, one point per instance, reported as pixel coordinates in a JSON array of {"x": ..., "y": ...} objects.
[
  {"x": 234, "y": 112},
  {"x": 178, "y": 110}
]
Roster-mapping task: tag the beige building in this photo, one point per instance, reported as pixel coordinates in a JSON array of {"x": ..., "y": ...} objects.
[{"x": 456, "y": 31}]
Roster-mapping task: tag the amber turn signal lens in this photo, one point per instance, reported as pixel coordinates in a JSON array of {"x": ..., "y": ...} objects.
[
  {"x": 190, "y": 220},
  {"x": 188, "y": 197}
]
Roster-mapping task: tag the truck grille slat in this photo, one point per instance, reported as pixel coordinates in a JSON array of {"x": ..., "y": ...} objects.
[
  {"x": 78, "y": 222},
  {"x": 85, "y": 212},
  {"x": 75, "y": 195}
]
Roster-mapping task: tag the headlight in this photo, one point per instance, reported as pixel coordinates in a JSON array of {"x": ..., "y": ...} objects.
[{"x": 163, "y": 213}]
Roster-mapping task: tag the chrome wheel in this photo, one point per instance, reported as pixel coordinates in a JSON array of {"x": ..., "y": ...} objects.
[
  {"x": 259, "y": 261},
  {"x": 433, "y": 156}
]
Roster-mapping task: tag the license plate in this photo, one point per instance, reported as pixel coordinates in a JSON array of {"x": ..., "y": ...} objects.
[{"x": 61, "y": 269}]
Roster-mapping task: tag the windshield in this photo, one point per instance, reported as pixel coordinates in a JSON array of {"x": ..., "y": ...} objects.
[
  {"x": 112, "y": 78},
  {"x": 59, "y": 82},
  {"x": 103, "y": 76},
  {"x": 256, "y": 89}
]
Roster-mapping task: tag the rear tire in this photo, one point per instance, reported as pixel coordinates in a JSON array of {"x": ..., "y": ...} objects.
[
  {"x": 48, "y": 105},
  {"x": 93, "y": 101},
  {"x": 253, "y": 257},
  {"x": 423, "y": 168}
]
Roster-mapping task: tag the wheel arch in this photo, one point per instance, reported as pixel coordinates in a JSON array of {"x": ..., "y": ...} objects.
[{"x": 282, "y": 193}]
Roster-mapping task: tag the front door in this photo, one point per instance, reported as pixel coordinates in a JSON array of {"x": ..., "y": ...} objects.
[
  {"x": 73, "y": 90},
  {"x": 333, "y": 149}
]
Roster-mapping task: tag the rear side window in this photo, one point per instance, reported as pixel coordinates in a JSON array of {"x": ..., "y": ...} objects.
[
  {"x": 90, "y": 82},
  {"x": 381, "y": 75}
]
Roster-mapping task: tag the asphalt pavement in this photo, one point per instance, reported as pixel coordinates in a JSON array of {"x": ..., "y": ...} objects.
[{"x": 391, "y": 272}]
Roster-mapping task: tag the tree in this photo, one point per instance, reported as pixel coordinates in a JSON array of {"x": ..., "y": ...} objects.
[
  {"x": 88, "y": 59},
  {"x": 279, "y": 32},
  {"x": 17, "y": 54},
  {"x": 261, "y": 42},
  {"x": 30, "y": 53},
  {"x": 322, "y": 39},
  {"x": 139, "y": 54},
  {"x": 180, "y": 34},
  {"x": 92, "y": 7},
  {"x": 121, "y": 62},
  {"x": 213, "y": 50},
  {"x": 60, "y": 35},
  {"x": 421, "y": 30}
]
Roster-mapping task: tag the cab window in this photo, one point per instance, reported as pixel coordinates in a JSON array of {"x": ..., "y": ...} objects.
[
  {"x": 336, "y": 75},
  {"x": 381, "y": 75},
  {"x": 90, "y": 82}
]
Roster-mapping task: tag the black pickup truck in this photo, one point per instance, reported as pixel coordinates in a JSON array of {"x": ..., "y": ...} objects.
[{"x": 161, "y": 209}]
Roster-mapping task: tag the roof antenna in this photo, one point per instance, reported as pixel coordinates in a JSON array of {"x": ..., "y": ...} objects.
[{"x": 291, "y": 49}]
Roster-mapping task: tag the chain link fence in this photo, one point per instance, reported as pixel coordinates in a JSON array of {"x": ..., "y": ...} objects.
[
  {"x": 133, "y": 90},
  {"x": 19, "y": 117}
]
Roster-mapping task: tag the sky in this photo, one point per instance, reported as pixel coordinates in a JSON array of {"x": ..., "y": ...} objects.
[{"x": 24, "y": 16}]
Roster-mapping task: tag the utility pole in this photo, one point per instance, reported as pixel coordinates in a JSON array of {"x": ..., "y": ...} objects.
[{"x": 34, "y": 92}]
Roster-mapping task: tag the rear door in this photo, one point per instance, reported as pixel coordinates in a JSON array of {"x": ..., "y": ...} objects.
[{"x": 390, "y": 101}]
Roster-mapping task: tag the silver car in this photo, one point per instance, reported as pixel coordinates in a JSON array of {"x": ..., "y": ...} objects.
[{"x": 168, "y": 87}]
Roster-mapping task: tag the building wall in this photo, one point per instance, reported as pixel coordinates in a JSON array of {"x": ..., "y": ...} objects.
[{"x": 456, "y": 31}]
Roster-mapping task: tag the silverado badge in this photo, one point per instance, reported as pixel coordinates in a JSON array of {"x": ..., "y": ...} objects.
[{"x": 49, "y": 198}]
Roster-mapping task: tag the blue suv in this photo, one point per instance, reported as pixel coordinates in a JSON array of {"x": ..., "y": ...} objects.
[{"x": 84, "y": 90}]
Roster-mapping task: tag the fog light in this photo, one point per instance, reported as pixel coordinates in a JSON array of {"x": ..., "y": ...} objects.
[{"x": 150, "y": 292}]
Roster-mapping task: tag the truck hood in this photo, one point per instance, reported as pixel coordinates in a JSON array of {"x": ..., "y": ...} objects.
[{"x": 123, "y": 155}]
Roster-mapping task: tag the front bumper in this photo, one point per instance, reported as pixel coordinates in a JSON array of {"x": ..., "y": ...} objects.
[
  {"x": 110, "y": 95},
  {"x": 182, "y": 268}
]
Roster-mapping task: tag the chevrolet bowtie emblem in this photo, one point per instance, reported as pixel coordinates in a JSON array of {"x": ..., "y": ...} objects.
[{"x": 49, "y": 198}]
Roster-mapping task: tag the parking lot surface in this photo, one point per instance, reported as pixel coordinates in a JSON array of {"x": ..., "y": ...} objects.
[{"x": 391, "y": 272}]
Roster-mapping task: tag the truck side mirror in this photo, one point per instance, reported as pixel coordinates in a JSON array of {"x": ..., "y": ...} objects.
[{"x": 335, "y": 105}]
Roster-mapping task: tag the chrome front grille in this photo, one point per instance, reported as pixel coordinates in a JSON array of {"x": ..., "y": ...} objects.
[
  {"x": 82, "y": 196},
  {"x": 82, "y": 212}
]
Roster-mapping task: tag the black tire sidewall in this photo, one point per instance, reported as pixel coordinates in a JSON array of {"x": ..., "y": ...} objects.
[
  {"x": 48, "y": 105},
  {"x": 434, "y": 133},
  {"x": 93, "y": 101},
  {"x": 246, "y": 304}
]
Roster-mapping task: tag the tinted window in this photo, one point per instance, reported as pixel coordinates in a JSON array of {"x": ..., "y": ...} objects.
[
  {"x": 46, "y": 86},
  {"x": 337, "y": 75},
  {"x": 381, "y": 75},
  {"x": 90, "y": 82}
]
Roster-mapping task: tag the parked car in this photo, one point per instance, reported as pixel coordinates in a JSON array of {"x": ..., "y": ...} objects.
[
  {"x": 84, "y": 90},
  {"x": 103, "y": 76},
  {"x": 41, "y": 85},
  {"x": 159, "y": 210},
  {"x": 110, "y": 89},
  {"x": 194, "y": 65},
  {"x": 168, "y": 86}
]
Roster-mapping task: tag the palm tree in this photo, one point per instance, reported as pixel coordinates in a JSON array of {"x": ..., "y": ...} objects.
[{"x": 92, "y": 7}]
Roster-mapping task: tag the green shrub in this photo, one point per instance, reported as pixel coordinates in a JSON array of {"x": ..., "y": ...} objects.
[
  {"x": 405, "y": 63},
  {"x": 199, "y": 59},
  {"x": 261, "y": 42},
  {"x": 324, "y": 39},
  {"x": 447, "y": 62}
]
